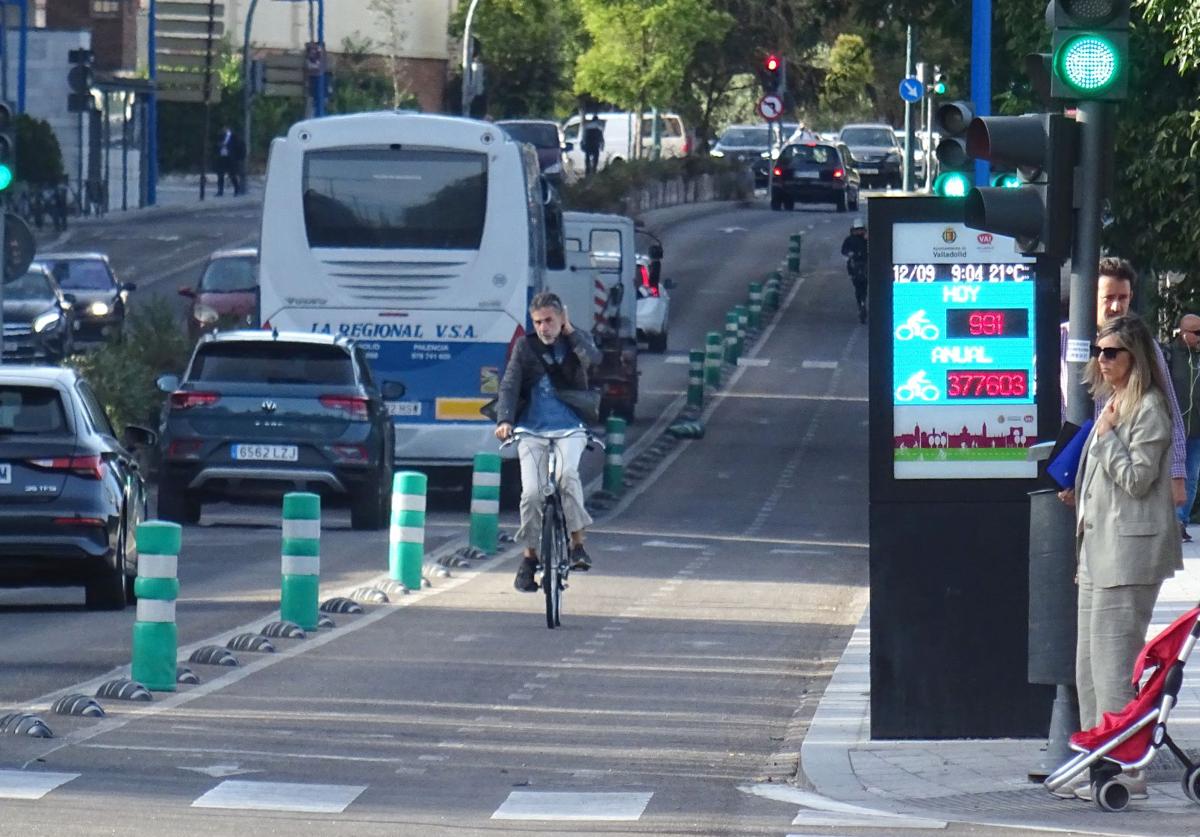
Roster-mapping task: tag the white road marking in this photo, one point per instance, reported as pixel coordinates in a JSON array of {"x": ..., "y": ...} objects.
[
  {"x": 678, "y": 360},
  {"x": 433, "y": 758},
  {"x": 558, "y": 806},
  {"x": 220, "y": 771},
  {"x": 753, "y": 361},
  {"x": 672, "y": 545},
  {"x": 819, "y": 364},
  {"x": 31, "y": 784},
  {"x": 849, "y": 816},
  {"x": 280, "y": 796},
  {"x": 547, "y": 675},
  {"x": 728, "y": 230},
  {"x": 798, "y": 552},
  {"x": 520, "y": 696},
  {"x": 608, "y": 530}
]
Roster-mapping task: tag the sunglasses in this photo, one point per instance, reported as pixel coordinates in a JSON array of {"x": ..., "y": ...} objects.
[{"x": 1108, "y": 352}]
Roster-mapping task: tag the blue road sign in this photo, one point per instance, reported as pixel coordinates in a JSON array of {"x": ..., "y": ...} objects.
[{"x": 911, "y": 89}]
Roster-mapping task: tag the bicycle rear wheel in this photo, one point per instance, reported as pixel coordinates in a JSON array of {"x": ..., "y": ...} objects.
[{"x": 554, "y": 561}]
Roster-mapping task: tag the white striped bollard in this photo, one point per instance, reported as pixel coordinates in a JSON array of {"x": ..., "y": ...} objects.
[
  {"x": 406, "y": 548},
  {"x": 485, "y": 503},
  {"x": 743, "y": 325},
  {"x": 731, "y": 340},
  {"x": 695, "y": 390},
  {"x": 755, "y": 307},
  {"x": 712, "y": 360},
  {"x": 614, "y": 456},
  {"x": 300, "y": 583},
  {"x": 155, "y": 637}
]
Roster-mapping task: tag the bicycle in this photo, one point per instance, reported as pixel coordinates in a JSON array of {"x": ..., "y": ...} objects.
[
  {"x": 554, "y": 561},
  {"x": 917, "y": 325},
  {"x": 917, "y": 386}
]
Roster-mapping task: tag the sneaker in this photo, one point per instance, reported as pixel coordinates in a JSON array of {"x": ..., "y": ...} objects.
[
  {"x": 580, "y": 560},
  {"x": 1183, "y": 533},
  {"x": 524, "y": 581},
  {"x": 1071, "y": 789}
]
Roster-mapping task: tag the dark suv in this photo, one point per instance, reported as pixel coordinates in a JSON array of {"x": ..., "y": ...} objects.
[
  {"x": 262, "y": 412},
  {"x": 814, "y": 173}
]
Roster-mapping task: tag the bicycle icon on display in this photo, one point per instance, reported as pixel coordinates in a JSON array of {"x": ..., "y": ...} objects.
[
  {"x": 918, "y": 388},
  {"x": 917, "y": 325}
]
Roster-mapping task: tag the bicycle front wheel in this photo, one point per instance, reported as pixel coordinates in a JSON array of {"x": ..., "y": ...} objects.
[{"x": 554, "y": 561}]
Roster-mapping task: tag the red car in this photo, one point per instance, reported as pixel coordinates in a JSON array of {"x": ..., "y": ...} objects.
[{"x": 227, "y": 294}]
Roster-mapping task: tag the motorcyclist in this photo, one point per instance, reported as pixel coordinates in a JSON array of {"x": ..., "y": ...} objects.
[{"x": 855, "y": 249}]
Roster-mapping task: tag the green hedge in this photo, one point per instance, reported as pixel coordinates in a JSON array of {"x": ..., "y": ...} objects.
[{"x": 607, "y": 189}]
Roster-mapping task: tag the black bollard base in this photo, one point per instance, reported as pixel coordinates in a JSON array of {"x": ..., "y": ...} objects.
[{"x": 1064, "y": 721}]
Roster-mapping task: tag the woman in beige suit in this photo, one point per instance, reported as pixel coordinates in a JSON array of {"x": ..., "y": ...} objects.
[{"x": 1126, "y": 539}]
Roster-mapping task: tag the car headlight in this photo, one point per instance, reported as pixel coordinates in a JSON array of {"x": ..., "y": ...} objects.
[
  {"x": 766, "y": 155},
  {"x": 716, "y": 152},
  {"x": 205, "y": 315},
  {"x": 47, "y": 322},
  {"x": 892, "y": 157},
  {"x": 99, "y": 309}
]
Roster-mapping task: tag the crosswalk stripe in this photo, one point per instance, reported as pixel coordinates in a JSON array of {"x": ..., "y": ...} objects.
[
  {"x": 31, "y": 784},
  {"x": 280, "y": 796},
  {"x": 563, "y": 805}
]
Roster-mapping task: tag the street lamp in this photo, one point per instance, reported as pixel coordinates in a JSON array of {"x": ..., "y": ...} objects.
[{"x": 467, "y": 87}]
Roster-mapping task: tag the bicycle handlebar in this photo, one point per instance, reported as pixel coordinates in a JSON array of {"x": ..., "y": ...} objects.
[{"x": 517, "y": 433}]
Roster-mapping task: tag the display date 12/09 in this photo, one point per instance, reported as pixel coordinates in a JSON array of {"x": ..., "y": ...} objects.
[
  {"x": 971, "y": 383},
  {"x": 996, "y": 272}
]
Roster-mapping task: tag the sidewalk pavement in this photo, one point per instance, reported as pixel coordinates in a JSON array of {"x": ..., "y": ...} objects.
[{"x": 985, "y": 781}]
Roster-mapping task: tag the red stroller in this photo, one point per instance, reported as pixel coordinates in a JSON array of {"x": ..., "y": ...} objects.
[{"x": 1128, "y": 740}]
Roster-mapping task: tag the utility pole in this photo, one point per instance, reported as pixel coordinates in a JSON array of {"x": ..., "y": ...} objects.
[
  {"x": 910, "y": 49},
  {"x": 467, "y": 85},
  {"x": 246, "y": 96}
]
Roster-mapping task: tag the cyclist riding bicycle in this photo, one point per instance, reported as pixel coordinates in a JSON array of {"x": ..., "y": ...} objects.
[
  {"x": 855, "y": 247},
  {"x": 555, "y": 357}
]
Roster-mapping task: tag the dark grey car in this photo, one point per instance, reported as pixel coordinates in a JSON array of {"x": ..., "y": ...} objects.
[
  {"x": 750, "y": 145},
  {"x": 71, "y": 492},
  {"x": 546, "y": 138},
  {"x": 100, "y": 299},
  {"x": 38, "y": 319},
  {"x": 261, "y": 412},
  {"x": 876, "y": 152}
]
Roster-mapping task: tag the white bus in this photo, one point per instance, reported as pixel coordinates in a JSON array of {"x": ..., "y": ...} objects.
[{"x": 423, "y": 238}]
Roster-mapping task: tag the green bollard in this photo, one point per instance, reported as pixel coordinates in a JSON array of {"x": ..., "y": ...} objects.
[
  {"x": 485, "y": 503},
  {"x": 755, "y": 305},
  {"x": 731, "y": 337},
  {"x": 406, "y": 552},
  {"x": 743, "y": 327},
  {"x": 155, "y": 637},
  {"x": 614, "y": 456},
  {"x": 695, "y": 391},
  {"x": 300, "y": 587},
  {"x": 771, "y": 298},
  {"x": 712, "y": 360}
]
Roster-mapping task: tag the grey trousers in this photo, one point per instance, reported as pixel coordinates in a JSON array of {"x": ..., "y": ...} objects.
[
  {"x": 1112, "y": 630},
  {"x": 532, "y": 453}
]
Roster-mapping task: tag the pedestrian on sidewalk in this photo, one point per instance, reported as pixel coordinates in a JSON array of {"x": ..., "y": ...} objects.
[
  {"x": 1126, "y": 540},
  {"x": 592, "y": 143},
  {"x": 231, "y": 152},
  {"x": 1183, "y": 362}
]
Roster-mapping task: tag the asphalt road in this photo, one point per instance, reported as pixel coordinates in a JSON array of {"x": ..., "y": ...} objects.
[{"x": 672, "y": 700}]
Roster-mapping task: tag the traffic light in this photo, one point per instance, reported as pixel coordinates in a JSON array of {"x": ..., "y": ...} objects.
[
  {"x": 938, "y": 87},
  {"x": 1007, "y": 180},
  {"x": 79, "y": 79},
  {"x": 954, "y": 164},
  {"x": 8, "y": 146},
  {"x": 774, "y": 73},
  {"x": 1039, "y": 210},
  {"x": 1090, "y": 49}
]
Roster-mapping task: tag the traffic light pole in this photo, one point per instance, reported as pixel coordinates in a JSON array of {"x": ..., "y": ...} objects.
[
  {"x": 246, "y": 95},
  {"x": 1093, "y": 118},
  {"x": 908, "y": 113}
]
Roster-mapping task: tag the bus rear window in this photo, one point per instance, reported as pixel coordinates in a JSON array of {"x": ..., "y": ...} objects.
[{"x": 395, "y": 198}]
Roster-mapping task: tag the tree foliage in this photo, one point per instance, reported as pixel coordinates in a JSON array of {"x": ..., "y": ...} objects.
[
  {"x": 39, "y": 157},
  {"x": 850, "y": 73}
]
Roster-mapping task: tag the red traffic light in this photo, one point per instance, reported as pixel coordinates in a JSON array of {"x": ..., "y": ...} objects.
[{"x": 772, "y": 62}]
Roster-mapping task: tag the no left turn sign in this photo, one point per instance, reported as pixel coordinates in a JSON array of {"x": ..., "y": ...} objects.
[{"x": 770, "y": 107}]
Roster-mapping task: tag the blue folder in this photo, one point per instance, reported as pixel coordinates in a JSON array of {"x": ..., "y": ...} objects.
[{"x": 1065, "y": 465}]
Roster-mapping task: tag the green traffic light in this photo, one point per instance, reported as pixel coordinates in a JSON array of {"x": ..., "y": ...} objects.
[
  {"x": 952, "y": 184},
  {"x": 1089, "y": 63},
  {"x": 6, "y": 177},
  {"x": 1006, "y": 181},
  {"x": 940, "y": 88}
]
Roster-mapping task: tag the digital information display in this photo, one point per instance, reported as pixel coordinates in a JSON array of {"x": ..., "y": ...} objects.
[{"x": 963, "y": 352}]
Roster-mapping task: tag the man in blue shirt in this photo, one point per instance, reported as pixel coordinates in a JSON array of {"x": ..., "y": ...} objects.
[{"x": 558, "y": 355}]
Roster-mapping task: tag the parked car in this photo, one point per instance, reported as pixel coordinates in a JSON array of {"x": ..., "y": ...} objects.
[
  {"x": 39, "y": 319},
  {"x": 263, "y": 412},
  {"x": 547, "y": 139},
  {"x": 71, "y": 492},
  {"x": 654, "y": 300},
  {"x": 100, "y": 298},
  {"x": 674, "y": 139},
  {"x": 876, "y": 153},
  {"x": 227, "y": 292},
  {"x": 750, "y": 144},
  {"x": 815, "y": 173}
]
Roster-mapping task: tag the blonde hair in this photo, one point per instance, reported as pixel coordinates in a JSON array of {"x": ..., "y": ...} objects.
[{"x": 1144, "y": 374}]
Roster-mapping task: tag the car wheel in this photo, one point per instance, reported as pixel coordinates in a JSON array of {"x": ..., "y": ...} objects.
[
  {"x": 108, "y": 592},
  {"x": 657, "y": 343},
  {"x": 176, "y": 505},
  {"x": 841, "y": 202},
  {"x": 776, "y": 201},
  {"x": 366, "y": 505},
  {"x": 854, "y": 203}
]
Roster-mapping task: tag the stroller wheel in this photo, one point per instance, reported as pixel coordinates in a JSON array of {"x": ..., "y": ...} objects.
[
  {"x": 1191, "y": 784},
  {"x": 1110, "y": 796}
]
